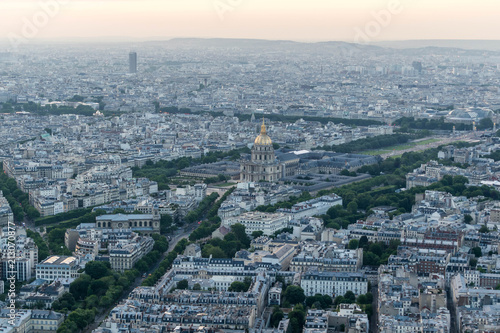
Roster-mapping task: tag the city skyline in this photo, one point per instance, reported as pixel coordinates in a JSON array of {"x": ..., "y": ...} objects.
[{"x": 320, "y": 20}]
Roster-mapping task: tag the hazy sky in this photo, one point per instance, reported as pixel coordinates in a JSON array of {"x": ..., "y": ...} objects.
[{"x": 268, "y": 19}]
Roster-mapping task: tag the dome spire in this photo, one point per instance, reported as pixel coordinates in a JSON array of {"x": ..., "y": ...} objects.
[{"x": 263, "y": 139}]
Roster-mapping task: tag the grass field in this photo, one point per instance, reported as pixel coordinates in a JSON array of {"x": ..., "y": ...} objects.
[
  {"x": 225, "y": 184},
  {"x": 400, "y": 147}
]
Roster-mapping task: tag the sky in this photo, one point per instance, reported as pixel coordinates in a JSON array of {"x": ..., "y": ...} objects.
[{"x": 299, "y": 20}]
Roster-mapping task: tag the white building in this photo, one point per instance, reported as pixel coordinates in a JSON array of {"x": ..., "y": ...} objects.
[
  {"x": 333, "y": 283},
  {"x": 58, "y": 267},
  {"x": 313, "y": 207},
  {"x": 268, "y": 223}
]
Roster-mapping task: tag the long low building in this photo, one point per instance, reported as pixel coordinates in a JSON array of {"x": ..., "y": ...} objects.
[
  {"x": 268, "y": 223},
  {"x": 146, "y": 224},
  {"x": 348, "y": 261},
  {"x": 333, "y": 283},
  {"x": 313, "y": 207}
]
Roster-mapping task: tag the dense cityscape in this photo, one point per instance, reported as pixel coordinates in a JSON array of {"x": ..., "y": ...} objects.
[{"x": 218, "y": 185}]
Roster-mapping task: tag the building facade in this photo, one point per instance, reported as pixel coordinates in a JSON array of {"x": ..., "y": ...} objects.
[
  {"x": 125, "y": 254},
  {"x": 146, "y": 224},
  {"x": 333, "y": 283},
  {"x": 58, "y": 267}
]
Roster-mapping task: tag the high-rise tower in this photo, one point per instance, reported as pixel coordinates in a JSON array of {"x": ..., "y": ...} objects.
[{"x": 132, "y": 62}]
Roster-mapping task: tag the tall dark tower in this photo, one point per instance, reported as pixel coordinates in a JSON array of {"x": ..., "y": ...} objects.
[{"x": 132, "y": 62}]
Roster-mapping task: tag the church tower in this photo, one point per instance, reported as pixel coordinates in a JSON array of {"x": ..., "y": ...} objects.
[{"x": 263, "y": 164}]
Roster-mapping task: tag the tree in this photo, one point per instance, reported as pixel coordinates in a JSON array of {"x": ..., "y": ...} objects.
[
  {"x": 484, "y": 229},
  {"x": 319, "y": 301},
  {"x": 214, "y": 251},
  {"x": 183, "y": 284},
  {"x": 473, "y": 262},
  {"x": 239, "y": 231},
  {"x": 376, "y": 248},
  {"x": 80, "y": 286},
  {"x": 237, "y": 286},
  {"x": 165, "y": 223},
  {"x": 477, "y": 251},
  {"x": 98, "y": 287},
  {"x": 363, "y": 241},
  {"x": 352, "y": 207},
  {"x": 467, "y": 218},
  {"x": 105, "y": 301},
  {"x": 294, "y": 295},
  {"x": 67, "y": 301},
  {"x": 349, "y": 297},
  {"x": 196, "y": 286},
  {"x": 82, "y": 317},
  {"x": 97, "y": 269},
  {"x": 370, "y": 259},
  {"x": 362, "y": 299},
  {"x": 67, "y": 326},
  {"x": 297, "y": 318},
  {"x": 338, "y": 300},
  {"x": 257, "y": 234},
  {"x": 91, "y": 301},
  {"x": 276, "y": 317},
  {"x": 353, "y": 244},
  {"x": 485, "y": 123},
  {"x": 345, "y": 172}
]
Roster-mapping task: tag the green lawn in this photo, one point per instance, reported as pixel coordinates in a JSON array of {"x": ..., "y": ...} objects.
[
  {"x": 225, "y": 184},
  {"x": 400, "y": 147}
]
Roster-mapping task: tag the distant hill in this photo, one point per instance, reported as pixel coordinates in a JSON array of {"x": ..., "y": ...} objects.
[
  {"x": 467, "y": 47},
  {"x": 490, "y": 45},
  {"x": 410, "y": 47}
]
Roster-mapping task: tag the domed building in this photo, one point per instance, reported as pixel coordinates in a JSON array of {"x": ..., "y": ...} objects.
[{"x": 263, "y": 164}]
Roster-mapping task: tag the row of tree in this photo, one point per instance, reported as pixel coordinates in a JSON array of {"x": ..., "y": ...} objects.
[
  {"x": 17, "y": 199},
  {"x": 212, "y": 221},
  {"x": 166, "y": 263},
  {"x": 409, "y": 123},
  {"x": 43, "y": 249},
  {"x": 199, "y": 213},
  {"x": 72, "y": 214}
]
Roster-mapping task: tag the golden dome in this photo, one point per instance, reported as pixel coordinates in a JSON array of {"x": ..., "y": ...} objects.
[{"x": 263, "y": 139}]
